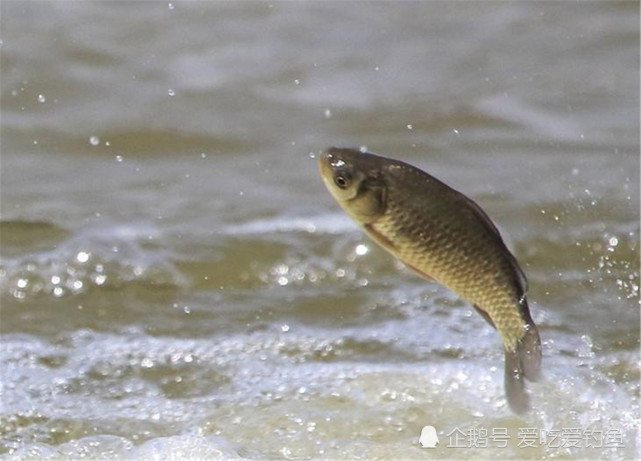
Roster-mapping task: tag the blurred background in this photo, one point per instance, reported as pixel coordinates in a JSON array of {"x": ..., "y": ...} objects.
[{"x": 174, "y": 277}]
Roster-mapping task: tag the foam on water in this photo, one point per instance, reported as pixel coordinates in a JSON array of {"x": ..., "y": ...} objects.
[
  {"x": 90, "y": 257},
  {"x": 334, "y": 223},
  {"x": 111, "y": 447},
  {"x": 186, "y": 288},
  {"x": 279, "y": 394},
  {"x": 359, "y": 381}
]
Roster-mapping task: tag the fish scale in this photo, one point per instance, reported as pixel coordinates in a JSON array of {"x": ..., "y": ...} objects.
[
  {"x": 443, "y": 236},
  {"x": 421, "y": 234}
]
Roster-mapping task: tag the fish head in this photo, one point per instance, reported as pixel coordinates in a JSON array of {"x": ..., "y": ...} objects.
[{"x": 355, "y": 181}]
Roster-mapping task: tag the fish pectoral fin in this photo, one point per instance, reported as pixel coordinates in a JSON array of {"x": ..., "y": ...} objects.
[
  {"x": 419, "y": 273},
  {"x": 379, "y": 238},
  {"x": 485, "y": 315}
]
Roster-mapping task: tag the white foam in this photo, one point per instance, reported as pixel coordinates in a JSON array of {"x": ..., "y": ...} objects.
[
  {"x": 184, "y": 447},
  {"x": 334, "y": 223}
]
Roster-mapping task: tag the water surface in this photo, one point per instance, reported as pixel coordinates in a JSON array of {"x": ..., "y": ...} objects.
[{"x": 174, "y": 278}]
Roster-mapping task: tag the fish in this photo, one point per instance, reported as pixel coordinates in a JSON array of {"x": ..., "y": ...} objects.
[{"x": 443, "y": 236}]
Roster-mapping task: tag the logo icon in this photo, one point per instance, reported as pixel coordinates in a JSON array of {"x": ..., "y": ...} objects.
[{"x": 428, "y": 438}]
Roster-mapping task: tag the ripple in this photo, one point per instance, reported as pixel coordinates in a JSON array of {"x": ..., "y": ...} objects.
[{"x": 90, "y": 259}]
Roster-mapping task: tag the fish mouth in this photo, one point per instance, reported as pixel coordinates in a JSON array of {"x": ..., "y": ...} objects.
[{"x": 327, "y": 161}]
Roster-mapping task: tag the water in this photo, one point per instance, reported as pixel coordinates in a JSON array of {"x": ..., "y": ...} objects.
[{"x": 176, "y": 281}]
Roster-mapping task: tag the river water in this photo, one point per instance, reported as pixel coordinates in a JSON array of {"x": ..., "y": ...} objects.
[{"x": 176, "y": 282}]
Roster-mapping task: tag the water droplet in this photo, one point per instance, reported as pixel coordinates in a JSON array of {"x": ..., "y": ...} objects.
[
  {"x": 409, "y": 127},
  {"x": 312, "y": 155},
  {"x": 42, "y": 99},
  {"x": 22, "y": 283},
  {"x": 203, "y": 155},
  {"x": 94, "y": 140},
  {"x": 455, "y": 131},
  {"x": 363, "y": 149},
  {"x": 361, "y": 250},
  {"x": 282, "y": 269},
  {"x": 171, "y": 6},
  {"x": 328, "y": 113},
  {"x": 82, "y": 256},
  {"x": 297, "y": 82},
  {"x": 613, "y": 241},
  {"x": 282, "y": 281},
  {"x": 284, "y": 328},
  {"x": 119, "y": 158},
  {"x": 171, "y": 92}
]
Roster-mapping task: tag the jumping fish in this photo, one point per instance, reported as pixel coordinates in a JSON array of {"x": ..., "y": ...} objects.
[{"x": 444, "y": 236}]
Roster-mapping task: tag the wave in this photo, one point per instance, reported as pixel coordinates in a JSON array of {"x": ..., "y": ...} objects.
[{"x": 331, "y": 223}]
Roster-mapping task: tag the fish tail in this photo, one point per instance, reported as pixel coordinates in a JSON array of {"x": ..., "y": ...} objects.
[
  {"x": 517, "y": 397},
  {"x": 528, "y": 348},
  {"x": 524, "y": 361}
]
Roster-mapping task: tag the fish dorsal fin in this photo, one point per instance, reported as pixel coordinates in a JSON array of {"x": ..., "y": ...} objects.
[
  {"x": 394, "y": 170},
  {"x": 521, "y": 280}
]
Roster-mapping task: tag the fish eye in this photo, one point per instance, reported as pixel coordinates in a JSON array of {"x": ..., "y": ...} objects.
[{"x": 341, "y": 181}]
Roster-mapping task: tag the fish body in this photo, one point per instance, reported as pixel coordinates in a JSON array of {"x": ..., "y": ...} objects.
[{"x": 443, "y": 236}]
